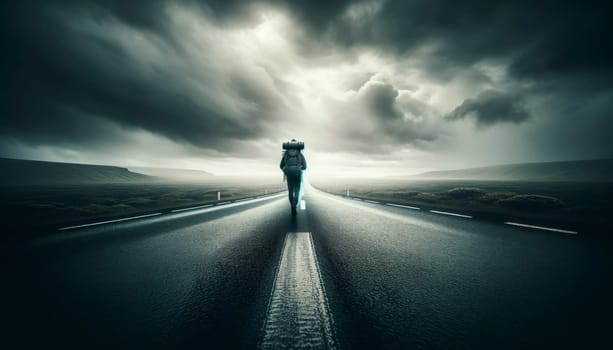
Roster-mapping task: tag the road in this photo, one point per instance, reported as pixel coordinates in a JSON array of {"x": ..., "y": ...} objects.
[{"x": 343, "y": 274}]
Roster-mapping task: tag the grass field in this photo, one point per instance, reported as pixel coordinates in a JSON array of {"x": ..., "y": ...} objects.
[
  {"x": 580, "y": 206},
  {"x": 41, "y": 209}
]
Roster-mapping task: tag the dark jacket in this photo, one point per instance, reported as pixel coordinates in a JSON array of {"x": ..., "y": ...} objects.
[{"x": 303, "y": 163}]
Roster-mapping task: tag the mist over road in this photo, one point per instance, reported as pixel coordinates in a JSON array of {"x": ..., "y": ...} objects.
[{"x": 379, "y": 276}]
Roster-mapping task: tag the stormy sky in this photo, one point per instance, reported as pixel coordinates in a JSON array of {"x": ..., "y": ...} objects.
[{"x": 373, "y": 87}]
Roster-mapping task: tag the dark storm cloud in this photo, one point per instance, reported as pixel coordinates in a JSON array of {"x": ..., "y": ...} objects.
[
  {"x": 492, "y": 107},
  {"x": 67, "y": 78},
  {"x": 543, "y": 36},
  {"x": 401, "y": 122},
  {"x": 380, "y": 99},
  {"x": 315, "y": 14},
  {"x": 378, "y": 119},
  {"x": 64, "y": 65},
  {"x": 562, "y": 49}
]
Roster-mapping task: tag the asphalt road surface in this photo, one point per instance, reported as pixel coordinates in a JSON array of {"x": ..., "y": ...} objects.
[{"x": 342, "y": 274}]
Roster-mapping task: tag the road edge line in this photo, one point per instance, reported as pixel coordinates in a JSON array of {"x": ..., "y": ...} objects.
[
  {"x": 109, "y": 221},
  {"x": 450, "y": 214},
  {"x": 552, "y": 229}
]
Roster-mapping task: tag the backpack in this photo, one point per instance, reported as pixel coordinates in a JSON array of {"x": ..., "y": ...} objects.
[{"x": 293, "y": 162}]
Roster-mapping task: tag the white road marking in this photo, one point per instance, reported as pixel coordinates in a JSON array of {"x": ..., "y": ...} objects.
[
  {"x": 108, "y": 221},
  {"x": 464, "y": 216},
  {"x": 371, "y": 201},
  {"x": 452, "y": 214},
  {"x": 191, "y": 208},
  {"x": 391, "y": 214},
  {"x": 303, "y": 205},
  {"x": 236, "y": 203},
  {"x": 298, "y": 315},
  {"x": 542, "y": 228},
  {"x": 205, "y": 208},
  {"x": 402, "y": 206}
]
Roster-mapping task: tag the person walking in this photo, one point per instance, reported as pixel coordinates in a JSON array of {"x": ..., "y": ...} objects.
[{"x": 292, "y": 164}]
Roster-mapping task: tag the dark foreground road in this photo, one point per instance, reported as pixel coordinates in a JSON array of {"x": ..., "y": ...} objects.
[{"x": 348, "y": 275}]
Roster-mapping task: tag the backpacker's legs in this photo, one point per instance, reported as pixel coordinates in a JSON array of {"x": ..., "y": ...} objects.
[{"x": 293, "y": 187}]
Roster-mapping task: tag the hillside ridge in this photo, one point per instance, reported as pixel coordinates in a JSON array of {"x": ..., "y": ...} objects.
[{"x": 581, "y": 170}]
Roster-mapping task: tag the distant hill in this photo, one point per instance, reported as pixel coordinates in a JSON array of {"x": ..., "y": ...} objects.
[
  {"x": 34, "y": 172},
  {"x": 583, "y": 170},
  {"x": 174, "y": 174}
]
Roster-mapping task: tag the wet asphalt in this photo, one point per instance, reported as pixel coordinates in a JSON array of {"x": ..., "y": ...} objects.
[{"x": 393, "y": 277}]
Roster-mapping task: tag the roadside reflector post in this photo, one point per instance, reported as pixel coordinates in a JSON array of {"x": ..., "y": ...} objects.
[{"x": 218, "y": 195}]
